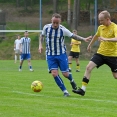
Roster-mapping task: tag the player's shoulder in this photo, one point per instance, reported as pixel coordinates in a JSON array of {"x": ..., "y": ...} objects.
[
  {"x": 47, "y": 25},
  {"x": 62, "y": 27}
]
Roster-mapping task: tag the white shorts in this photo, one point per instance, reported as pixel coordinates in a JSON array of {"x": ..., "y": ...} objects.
[{"x": 17, "y": 51}]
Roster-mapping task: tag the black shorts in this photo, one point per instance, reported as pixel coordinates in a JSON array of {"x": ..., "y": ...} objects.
[
  {"x": 74, "y": 54},
  {"x": 99, "y": 60}
]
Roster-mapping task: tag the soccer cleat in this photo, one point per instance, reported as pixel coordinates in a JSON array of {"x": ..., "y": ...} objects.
[
  {"x": 66, "y": 94},
  {"x": 20, "y": 69},
  {"x": 79, "y": 91},
  {"x": 31, "y": 70},
  {"x": 73, "y": 84},
  {"x": 77, "y": 70}
]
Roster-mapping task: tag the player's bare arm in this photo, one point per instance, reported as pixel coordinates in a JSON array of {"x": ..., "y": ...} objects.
[
  {"x": 40, "y": 43},
  {"x": 20, "y": 47},
  {"x": 92, "y": 42},
  {"x": 107, "y": 39},
  {"x": 14, "y": 46},
  {"x": 79, "y": 38}
]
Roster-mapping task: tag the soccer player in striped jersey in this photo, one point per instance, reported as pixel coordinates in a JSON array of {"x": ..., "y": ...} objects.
[
  {"x": 107, "y": 51},
  {"x": 25, "y": 51},
  {"x": 17, "y": 48},
  {"x": 74, "y": 53},
  {"x": 56, "y": 56}
]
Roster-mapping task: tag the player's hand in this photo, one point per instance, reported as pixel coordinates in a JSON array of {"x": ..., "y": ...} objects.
[
  {"x": 71, "y": 44},
  {"x": 101, "y": 39},
  {"x": 89, "y": 48},
  {"x": 88, "y": 39},
  {"x": 20, "y": 51},
  {"x": 40, "y": 49}
]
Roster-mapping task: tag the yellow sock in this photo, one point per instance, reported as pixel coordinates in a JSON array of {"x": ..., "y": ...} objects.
[
  {"x": 78, "y": 67},
  {"x": 84, "y": 83},
  {"x": 70, "y": 65}
]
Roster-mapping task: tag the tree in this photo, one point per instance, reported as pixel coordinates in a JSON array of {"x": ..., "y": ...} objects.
[
  {"x": 69, "y": 13},
  {"x": 75, "y": 14},
  {"x": 25, "y": 5},
  {"x": 55, "y": 6},
  {"x": 17, "y": 3}
]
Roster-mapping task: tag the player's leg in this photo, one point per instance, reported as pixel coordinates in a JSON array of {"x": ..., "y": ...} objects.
[
  {"x": 96, "y": 61},
  {"x": 86, "y": 78},
  {"x": 28, "y": 57},
  {"x": 63, "y": 64},
  {"x": 77, "y": 65},
  {"x": 16, "y": 53},
  {"x": 19, "y": 54},
  {"x": 53, "y": 69},
  {"x": 70, "y": 61},
  {"x": 15, "y": 58},
  {"x": 21, "y": 62},
  {"x": 112, "y": 63},
  {"x": 76, "y": 56}
]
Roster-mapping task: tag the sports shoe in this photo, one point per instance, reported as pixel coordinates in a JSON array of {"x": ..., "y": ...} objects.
[
  {"x": 31, "y": 70},
  {"x": 77, "y": 70},
  {"x": 73, "y": 84},
  {"x": 20, "y": 69},
  {"x": 79, "y": 91},
  {"x": 66, "y": 94}
]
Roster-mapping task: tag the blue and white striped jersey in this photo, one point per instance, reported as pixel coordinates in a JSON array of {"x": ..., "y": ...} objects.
[
  {"x": 25, "y": 41},
  {"x": 55, "y": 39}
]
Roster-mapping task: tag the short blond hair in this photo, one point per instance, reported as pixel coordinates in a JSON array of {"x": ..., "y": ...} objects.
[
  {"x": 106, "y": 14},
  {"x": 56, "y": 15}
]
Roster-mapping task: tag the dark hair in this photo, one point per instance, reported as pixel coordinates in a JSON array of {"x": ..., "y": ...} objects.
[
  {"x": 26, "y": 31},
  {"x": 56, "y": 15}
]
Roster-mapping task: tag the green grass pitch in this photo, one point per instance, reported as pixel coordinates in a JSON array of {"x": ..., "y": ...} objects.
[{"x": 18, "y": 100}]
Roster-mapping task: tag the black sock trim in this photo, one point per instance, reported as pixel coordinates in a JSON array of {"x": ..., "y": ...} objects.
[{"x": 85, "y": 80}]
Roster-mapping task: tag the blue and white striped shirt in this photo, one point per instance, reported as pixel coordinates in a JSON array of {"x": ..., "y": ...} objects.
[
  {"x": 55, "y": 39},
  {"x": 25, "y": 41}
]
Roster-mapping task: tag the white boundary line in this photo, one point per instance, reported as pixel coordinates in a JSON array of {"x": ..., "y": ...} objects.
[
  {"x": 95, "y": 100},
  {"x": 20, "y": 30}
]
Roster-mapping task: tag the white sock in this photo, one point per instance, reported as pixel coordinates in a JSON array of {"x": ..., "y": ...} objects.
[
  {"x": 65, "y": 91},
  {"x": 15, "y": 58},
  {"x": 83, "y": 88},
  {"x": 20, "y": 57}
]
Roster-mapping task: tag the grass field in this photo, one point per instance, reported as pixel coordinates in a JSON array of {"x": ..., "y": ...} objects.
[{"x": 18, "y": 100}]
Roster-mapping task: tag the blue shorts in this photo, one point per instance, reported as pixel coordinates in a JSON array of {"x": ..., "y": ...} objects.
[
  {"x": 25, "y": 56},
  {"x": 57, "y": 61}
]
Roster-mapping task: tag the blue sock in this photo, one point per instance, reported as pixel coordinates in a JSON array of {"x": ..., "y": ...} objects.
[
  {"x": 30, "y": 67},
  {"x": 20, "y": 67},
  {"x": 60, "y": 83},
  {"x": 70, "y": 77}
]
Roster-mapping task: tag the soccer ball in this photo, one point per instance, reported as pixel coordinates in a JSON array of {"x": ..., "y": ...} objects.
[{"x": 37, "y": 86}]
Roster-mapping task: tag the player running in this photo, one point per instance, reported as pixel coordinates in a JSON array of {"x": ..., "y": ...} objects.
[
  {"x": 56, "y": 56},
  {"x": 107, "y": 51}
]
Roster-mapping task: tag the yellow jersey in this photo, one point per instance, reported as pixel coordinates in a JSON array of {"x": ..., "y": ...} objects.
[
  {"x": 75, "y": 45},
  {"x": 107, "y": 48}
]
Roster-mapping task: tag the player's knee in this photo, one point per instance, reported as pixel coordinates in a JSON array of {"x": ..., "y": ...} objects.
[
  {"x": 54, "y": 73},
  {"x": 65, "y": 74},
  {"x": 115, "y": 76},
  {"x": 88, "y": 68}
]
